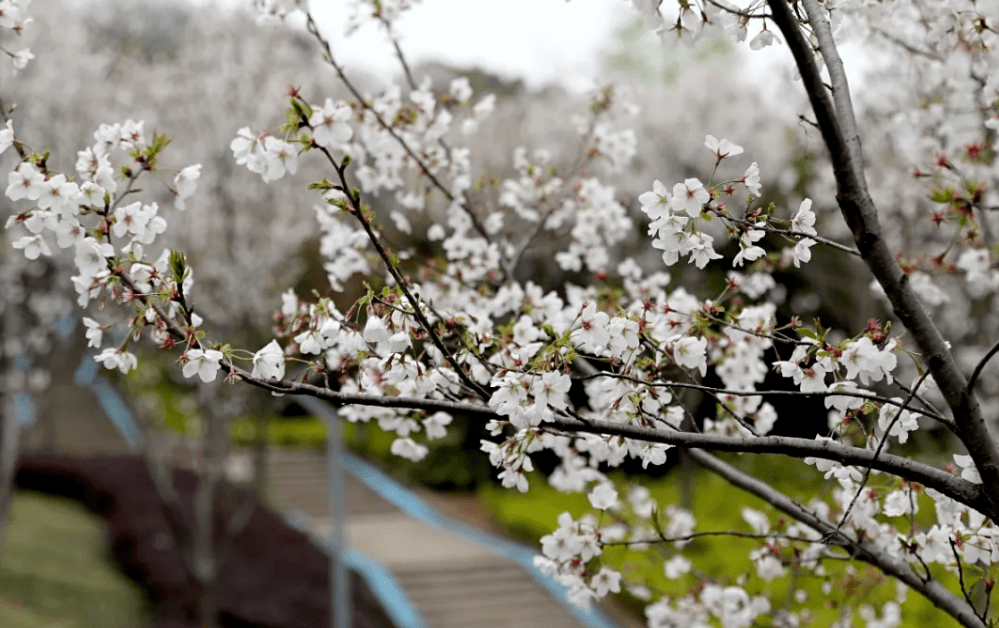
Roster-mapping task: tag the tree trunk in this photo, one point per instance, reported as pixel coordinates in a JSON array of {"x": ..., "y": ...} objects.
[
  {"x": 9, "y": 441},
  {"x": 261, "y": 445},
  {"x": 204, "y": 559}
]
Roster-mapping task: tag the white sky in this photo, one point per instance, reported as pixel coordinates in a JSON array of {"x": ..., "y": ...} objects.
[{"x": 541, "y": 41}]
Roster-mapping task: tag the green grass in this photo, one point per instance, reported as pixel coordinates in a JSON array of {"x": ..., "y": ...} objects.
[
  {"x": 718, "y": 506},
  {"x": 56, "y": 571},
  {"x": 364, "y": 438}
]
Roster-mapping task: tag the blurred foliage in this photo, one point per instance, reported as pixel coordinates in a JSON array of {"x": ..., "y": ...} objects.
[
  {"x": 454, "y": 462},
  {"x": 146, "y": 31},
  {"x": 56, "y": 571},
  {"x": 308, "y": 433},
  {"x": 481, "y": 81},
  {"x": 640, "y": 57},
  {"x": 451, "y": 464}
]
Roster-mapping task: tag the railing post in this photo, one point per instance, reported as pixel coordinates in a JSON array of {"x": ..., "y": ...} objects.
[{"x": 340, "y": 612}]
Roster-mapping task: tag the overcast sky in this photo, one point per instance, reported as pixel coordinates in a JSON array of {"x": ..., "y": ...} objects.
[{"x": 541, "y": 41}]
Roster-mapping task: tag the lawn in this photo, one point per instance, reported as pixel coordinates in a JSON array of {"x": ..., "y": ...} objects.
[{"x": 56, "y": 571}]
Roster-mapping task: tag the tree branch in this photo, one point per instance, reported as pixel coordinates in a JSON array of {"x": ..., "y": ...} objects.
[
  {"x": 897, "y": 568},
  {"x": 927, "y": 475},
  {"x": 855, "y": 394},
  {"x": 840, "y": 87},
  {"x": 954, "y": 487},
  {"x": 796, "y": 235},
  {"x": 710, "y": 533},
  {"x": 860, "y": 213},
  {"x": 398, "y": 53},
  {"x": 960, "y": 576},
  {"x": 476, "y": 223},
  {"x": 358, "y": 212},
  {"x": 981, "y": 365},
  {"x": 877, "y": 452}
]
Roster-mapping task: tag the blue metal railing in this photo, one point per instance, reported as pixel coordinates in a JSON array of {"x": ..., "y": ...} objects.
[
  {"x": 386, "y": 588},
  {"x": 410, "y": 503},
  {"x": 114, "y": 406},
  {"x": 25, "y": 411}
]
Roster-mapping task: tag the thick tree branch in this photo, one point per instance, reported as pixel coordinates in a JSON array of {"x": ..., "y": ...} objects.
[
  {"x": 840, "y": 87},
  {"x": 927, "y": 475},
  {"x": 860, "y": 214},
  {"x": 897, "y": 568},
  {"x": 954, "y": 487}
]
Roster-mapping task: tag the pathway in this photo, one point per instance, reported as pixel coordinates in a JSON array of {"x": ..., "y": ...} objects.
[{"x": 453, "y": 574}]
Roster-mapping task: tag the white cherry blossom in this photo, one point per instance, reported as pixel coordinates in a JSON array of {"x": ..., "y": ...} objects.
[
  {"x": 689, "y": 197},
  {"x": 203, "y": 363}
]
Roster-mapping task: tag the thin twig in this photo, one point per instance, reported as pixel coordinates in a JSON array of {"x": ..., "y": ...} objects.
[
  {"x": 18, "y": 145},
  {"x": 981, "y": 365},
  {"x": 398, "y": 53},
  {"x": 424, "y": 169},
  {"x": 760, "y": 393},
  {"x": 877, "y": 452},
  {"x": 797, "y": 235},
  {"x": 960, "y": 576},
  {"x": 743, "y": 14},
  {"x": 708, "y": 533},
  {"x": 865, "y": 551},
  {"x": 358, "y": 212}
]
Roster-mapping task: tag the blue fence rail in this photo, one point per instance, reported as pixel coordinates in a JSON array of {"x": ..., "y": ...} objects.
[
  {"x": 410, "y": 503},
  {"x": 388, "y": 590}
]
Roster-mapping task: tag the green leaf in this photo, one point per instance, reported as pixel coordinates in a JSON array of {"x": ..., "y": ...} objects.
[
  {"x": 325, "y": 185},
  {"x": 807, "y": 333},
  {"x": 302, "y": 109},
  {"x": 178, "y": 266},
  {"x": 942, "y": 195}
]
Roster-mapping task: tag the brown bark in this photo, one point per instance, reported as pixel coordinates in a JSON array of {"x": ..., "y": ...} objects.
[{"x": 834, "y": 116}]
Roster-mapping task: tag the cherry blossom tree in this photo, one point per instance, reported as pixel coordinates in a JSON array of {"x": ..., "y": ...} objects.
[{"x": 606, "y": 367}]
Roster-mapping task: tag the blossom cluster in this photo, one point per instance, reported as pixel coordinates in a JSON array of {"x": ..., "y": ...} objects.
[
  {"x": 597, "y": 374},
  {"x": 107, "y": 238},
  {"x": 14, "y": 17}
]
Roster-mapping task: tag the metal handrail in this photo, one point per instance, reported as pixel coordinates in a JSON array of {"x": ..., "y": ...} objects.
[{"x": 407, "y": 501}]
